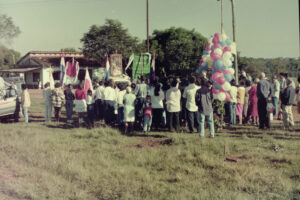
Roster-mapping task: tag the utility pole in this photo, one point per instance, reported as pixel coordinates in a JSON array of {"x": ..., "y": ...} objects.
[
  {"x": 222, "y": 24},
  {"x": 148, "y": 44},
  {"x": 234, "y": 40}
]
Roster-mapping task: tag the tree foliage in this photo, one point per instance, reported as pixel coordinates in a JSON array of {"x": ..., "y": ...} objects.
[
  {"x": 69, "y": 49},
  {"x": 8, "y": 30},
  {"x": 108, "y": 38},
  {"x": 177, "y": 49},
  {"x": 8, "y": 57},
  {"x": 271, "y": 66}
]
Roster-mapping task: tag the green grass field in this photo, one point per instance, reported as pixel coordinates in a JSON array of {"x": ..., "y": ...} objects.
[{"x": 53, "y": 161}]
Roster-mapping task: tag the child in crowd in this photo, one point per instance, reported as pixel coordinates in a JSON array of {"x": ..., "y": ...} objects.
[
  {"x": 58, "y": 99},
  {"x": 90, "y": 102},
  {"x": 147, "y": 114}
]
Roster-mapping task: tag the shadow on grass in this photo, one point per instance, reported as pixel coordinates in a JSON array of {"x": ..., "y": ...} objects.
[
  {"x": 61, "y": 126},
  {"x": 147, "y": 135}
]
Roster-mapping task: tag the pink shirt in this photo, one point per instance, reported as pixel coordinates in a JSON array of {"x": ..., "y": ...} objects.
[{"x": 80, "y": 94}]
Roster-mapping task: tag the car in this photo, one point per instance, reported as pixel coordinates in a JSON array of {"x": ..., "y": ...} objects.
[{"x": 10, "y": 102}]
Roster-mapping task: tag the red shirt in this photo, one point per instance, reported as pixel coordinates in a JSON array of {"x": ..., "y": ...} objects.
[{"x": 80, "y": 94}]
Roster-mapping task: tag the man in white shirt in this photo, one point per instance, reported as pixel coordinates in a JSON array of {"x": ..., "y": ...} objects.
[
  {"x": 99, "y": 100},
  {"x": 109, "y": 96},
  {"x": 275, "y": 95},
  {"x": 173, "y": 97},
  {"x": 189, "y": 95}
]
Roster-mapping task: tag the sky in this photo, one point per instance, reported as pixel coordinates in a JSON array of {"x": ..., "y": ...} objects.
[{"x": 264, "y": 28}]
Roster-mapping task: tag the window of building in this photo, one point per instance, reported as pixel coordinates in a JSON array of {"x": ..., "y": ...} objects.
[
  {"x": 36, "y": 77},
  {"x": 56, "y": 75}
]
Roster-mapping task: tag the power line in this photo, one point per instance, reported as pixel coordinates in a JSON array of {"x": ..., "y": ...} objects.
[{"x": 41, "y": 2}]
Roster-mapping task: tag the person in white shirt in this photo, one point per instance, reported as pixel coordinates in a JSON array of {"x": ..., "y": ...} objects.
[
  {"x": 275, "y": 95},
  {"x": 47, "y": 101},
  {"x": 232, "y": 103},
  {"x": 109, "y": 96},
  {"x": 99, "y": 101},
  {"x": 90, "y": 102},
  {"x": 157, "y": 97},
  {"x": 173, "y": 96},
  {"x": 189, "y": 95},
  {"x": 25, "y": 102},
  {"x": 120, "y": 105},
  {"x": 141, "y": 92}
]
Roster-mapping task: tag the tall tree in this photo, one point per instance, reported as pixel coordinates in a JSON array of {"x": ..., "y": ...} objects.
[
  {"x": 108, "y": 38},
  {"x": 177, "y": 49},
  {"x": 8, "y": 30}
]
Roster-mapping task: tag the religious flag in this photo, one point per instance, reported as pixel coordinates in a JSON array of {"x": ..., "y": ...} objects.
[
  {"x": 87, "y": 81},
  {"x": 72, "y": 71},
  {"x": 107, "y": 69},
  {"x": 62, "y": 68},
  {"x": 152, "y": 69}
]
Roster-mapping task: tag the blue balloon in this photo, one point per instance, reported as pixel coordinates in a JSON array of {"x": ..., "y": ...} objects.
[
  {"x": 228, "y": 42},
  {"x": 228, "y": 77},
  {"x": 212, "y": 47},
  {"x": 223, "y": 43},
  {"x": 205, "y": 52},
  {"x": 217, "y": 86},
  {"x": 219, "y": 64}
]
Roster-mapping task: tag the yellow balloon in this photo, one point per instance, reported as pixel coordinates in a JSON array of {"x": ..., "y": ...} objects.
[{"x": 209, "y": 62}]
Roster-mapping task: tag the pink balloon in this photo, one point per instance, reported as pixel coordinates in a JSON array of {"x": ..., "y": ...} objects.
[
  {"x": 221, "y": 80},
  {"x": 217, "y": 35},
  {"x": 215, "y": 40},
  {"x": 215, "y": 57},
  {"x": 227, "y": 97},
  {"x": 201, "y": 61},
  {"x": 216, "y": 76},
  {"x": 208, "y": 47},
  {"x": 218, "y": 70},
  {"x": 214, "y": 91},
  {"x": 227, "y": 48},
  {"x": 225, "y": 71},
  {"x": 222, "y": 90},
  {"x": 218, "y": 45}
]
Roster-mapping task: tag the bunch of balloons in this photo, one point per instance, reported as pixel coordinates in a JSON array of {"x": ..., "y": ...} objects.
[{"x": 218, "y": 57}]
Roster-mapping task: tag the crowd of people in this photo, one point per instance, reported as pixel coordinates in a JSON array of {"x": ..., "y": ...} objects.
[{"x": 171, "y": 103}]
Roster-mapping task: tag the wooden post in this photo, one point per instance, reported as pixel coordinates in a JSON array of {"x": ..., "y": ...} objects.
[{"x": 234, "y": 40}]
